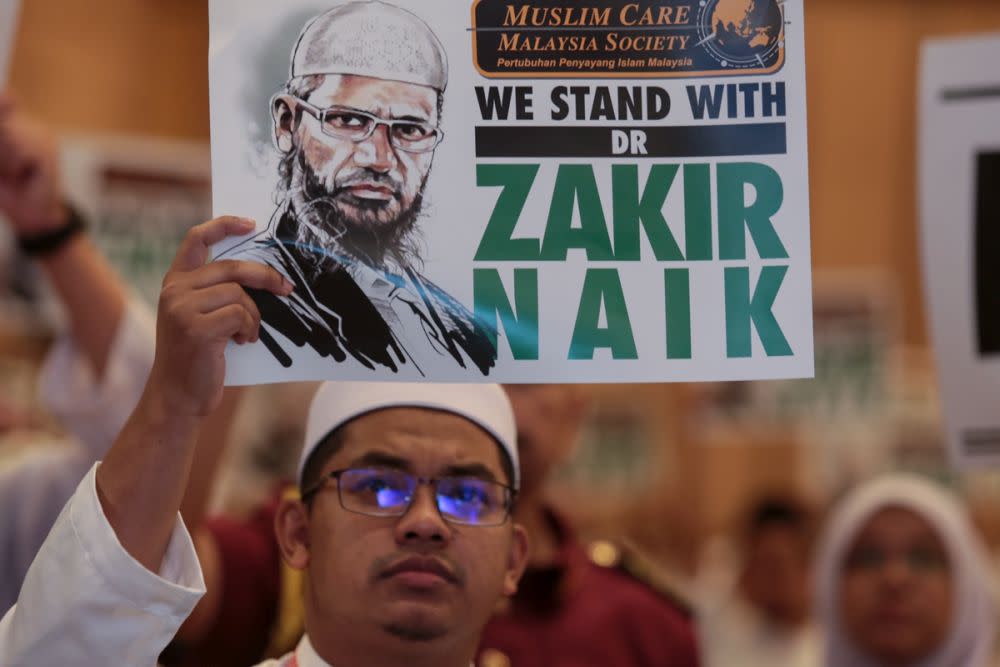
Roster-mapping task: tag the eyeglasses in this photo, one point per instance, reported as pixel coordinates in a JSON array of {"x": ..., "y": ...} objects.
[
  {"x": 470, "y": 501},
  {"x": 411, "y": 136}
]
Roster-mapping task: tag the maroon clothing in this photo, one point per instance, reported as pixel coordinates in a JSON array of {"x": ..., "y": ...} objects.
[
  {"x": 579, "y": 614},
  {"x": 250, "y": 563}
]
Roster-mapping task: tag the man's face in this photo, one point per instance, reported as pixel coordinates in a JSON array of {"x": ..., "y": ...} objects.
[
  {"x": 776, "y": 573},
  {"x": 371, "y": 183},
  {"x": 372, "y": 576}
]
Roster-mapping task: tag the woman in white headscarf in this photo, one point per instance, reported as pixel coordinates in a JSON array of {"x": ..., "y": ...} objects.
[{"x": 903, "y": 580}]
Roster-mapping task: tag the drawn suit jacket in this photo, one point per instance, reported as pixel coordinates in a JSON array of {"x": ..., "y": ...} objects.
[{"x": 345, "y": 308}]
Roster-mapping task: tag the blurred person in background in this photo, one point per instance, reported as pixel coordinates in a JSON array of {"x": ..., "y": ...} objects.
[
  {"x": 14, "y": 418},
  {"x": 903, "y": 580},
  {"x": 117, "y": 574},
  {"x": 94, "y": 374},
  {"x": 765, "y": 619},
  {"x": 568, "y": 611}
]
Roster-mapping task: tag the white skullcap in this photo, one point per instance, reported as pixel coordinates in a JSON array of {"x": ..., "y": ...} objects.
[
  {"x": 371, "y": 39},
  {"x": 485, "y": 405}
]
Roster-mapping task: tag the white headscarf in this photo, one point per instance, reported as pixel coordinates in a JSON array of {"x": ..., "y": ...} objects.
[{"x": 970, "y": 640}]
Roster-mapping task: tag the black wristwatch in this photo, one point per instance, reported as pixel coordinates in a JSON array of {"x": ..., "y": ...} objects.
[{"x": 48, "y": 242}]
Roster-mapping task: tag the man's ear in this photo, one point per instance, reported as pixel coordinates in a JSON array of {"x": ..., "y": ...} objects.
[
  {"x": 291, "y": 527},
  {"x": 284, "y": 117},
  {"x": 517, "y": 560}
]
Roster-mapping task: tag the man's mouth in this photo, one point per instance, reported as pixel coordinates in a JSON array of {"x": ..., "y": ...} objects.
[
  {"x": 369, "y": 190},
  {"x": 420, "y": 572}
]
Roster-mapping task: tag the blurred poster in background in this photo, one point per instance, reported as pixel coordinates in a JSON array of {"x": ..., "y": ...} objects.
[
  {"x": 959, "y": 171},
  {"x": 140, "y": 196},
  {"x": 846, "y": 415}
]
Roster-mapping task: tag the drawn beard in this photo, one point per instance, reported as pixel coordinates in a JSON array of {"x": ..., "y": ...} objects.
[{"x": 340, "y": 223}]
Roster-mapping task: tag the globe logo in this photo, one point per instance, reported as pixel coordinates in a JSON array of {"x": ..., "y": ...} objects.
[{"x": 742, "y": 33}]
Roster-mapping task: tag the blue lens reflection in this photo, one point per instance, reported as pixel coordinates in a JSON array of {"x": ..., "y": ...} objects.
[
  {"x": 465, "y": 499},
  {"x": 388, "y": 492},
  {"x": 384, "y": 489}
]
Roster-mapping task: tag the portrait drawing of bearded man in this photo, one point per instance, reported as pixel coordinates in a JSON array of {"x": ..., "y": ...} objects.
[{"x": 357, "y": 125}]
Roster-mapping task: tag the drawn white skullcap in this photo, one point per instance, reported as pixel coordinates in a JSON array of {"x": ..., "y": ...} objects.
[
  {"x": 373, "y": 39},
  {"x": 485, "y": 405}
]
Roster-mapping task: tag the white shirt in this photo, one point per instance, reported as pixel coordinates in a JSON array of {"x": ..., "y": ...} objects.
[
  {"x": 305, "y": 656},
  {"x": 86, "y": 601},
  {"x": 736, "y": 634}
]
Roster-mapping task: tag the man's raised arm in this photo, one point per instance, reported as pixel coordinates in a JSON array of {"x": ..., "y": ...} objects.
[
  {"x": 202, "y": 306},
  {"x": 91, "y": 595}
]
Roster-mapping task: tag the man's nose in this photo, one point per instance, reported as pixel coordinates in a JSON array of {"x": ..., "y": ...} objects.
[
  {"x": 376, "y": 152},
  {"x": 422, "y": 521}
]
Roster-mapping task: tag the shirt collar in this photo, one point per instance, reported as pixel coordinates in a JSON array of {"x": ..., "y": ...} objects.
[
  {"x": 306, "y": 655},
  {"x": 376, "y": 282}
]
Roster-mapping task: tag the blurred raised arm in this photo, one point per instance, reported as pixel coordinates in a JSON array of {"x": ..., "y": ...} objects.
[{"x": 32, "y": 201}]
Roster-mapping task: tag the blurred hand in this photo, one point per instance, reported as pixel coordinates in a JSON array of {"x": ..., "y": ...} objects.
[
  {"x": 30, "y": 191},
  {"x": 12, "y": 418},
  {"x": 203, "y": 306}
]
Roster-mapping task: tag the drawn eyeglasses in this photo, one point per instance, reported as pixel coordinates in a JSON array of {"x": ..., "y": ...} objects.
[{"x": 407, "y": 135}]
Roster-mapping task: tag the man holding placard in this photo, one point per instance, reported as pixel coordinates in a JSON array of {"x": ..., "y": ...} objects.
[{"x": 398, "y": 574}]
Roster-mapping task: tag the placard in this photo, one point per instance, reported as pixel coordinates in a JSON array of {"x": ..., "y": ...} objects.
[
  {"x": 519, "y": 192},
  {"x": 960, "y": 235}
]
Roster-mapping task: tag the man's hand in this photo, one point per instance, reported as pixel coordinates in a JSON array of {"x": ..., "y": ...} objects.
[
  {"x": 30, "y": 193},
  {"x": 142, "y": 480},
  {"x": 203, "y": 306}
]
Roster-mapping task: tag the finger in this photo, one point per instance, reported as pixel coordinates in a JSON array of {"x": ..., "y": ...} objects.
[
  {"x": 218, "y": 296},
  {"x": 198, "y": 242},
  {"x": 232, "y": 321},
  {"x": 254, "y": 275}
]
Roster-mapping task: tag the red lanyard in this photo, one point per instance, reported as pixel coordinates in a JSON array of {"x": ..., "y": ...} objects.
[{"x": 294, "y": 662}]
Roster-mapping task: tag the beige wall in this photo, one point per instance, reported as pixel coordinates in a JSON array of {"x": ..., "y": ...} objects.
[{"x": 132, "y": 66}]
